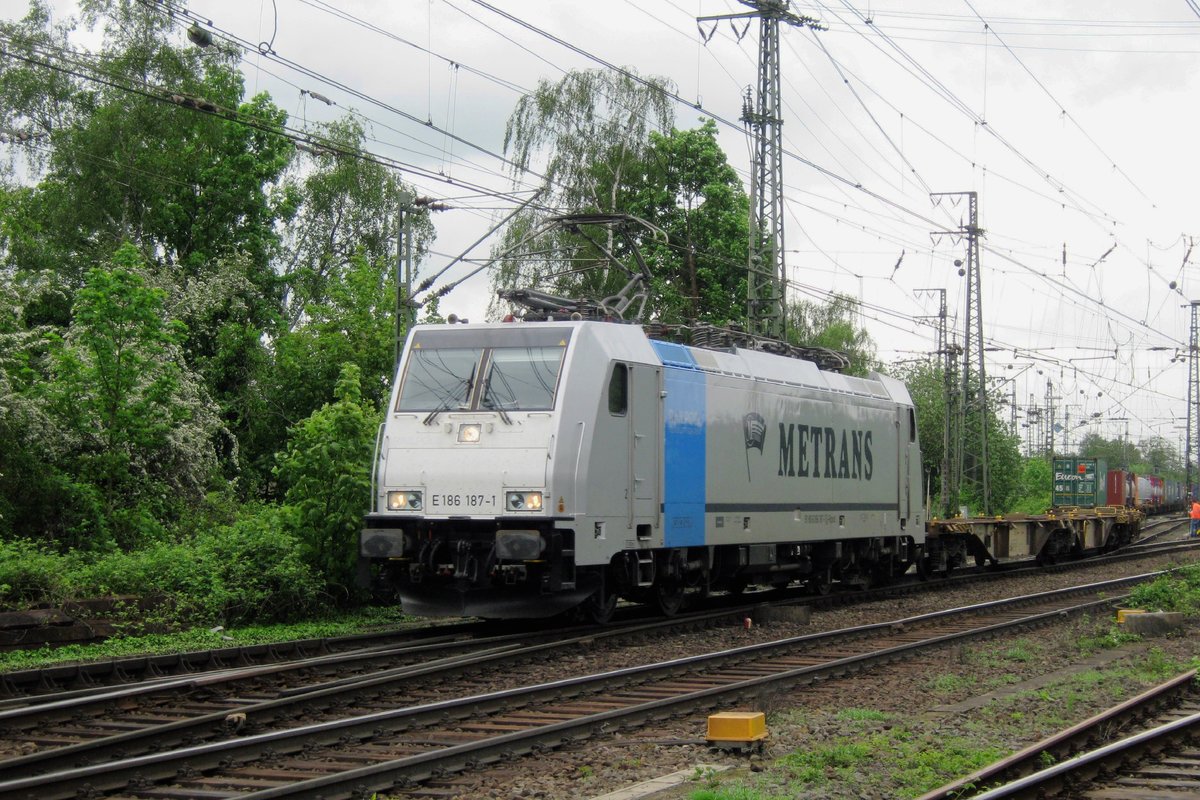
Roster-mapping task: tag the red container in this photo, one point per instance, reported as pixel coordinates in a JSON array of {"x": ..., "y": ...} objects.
[{"x": 1118, "y": 485}]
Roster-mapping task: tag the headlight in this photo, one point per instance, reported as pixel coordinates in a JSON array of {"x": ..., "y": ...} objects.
[
  {"x": 524, "y": 501},
  {"x": 469, "y": 432},
  {"x": 404, "y": 501}
]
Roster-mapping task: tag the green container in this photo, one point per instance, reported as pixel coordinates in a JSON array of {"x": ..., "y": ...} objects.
[{"x": 1080, "y": 482}]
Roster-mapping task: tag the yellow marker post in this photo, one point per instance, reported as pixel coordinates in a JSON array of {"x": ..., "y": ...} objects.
[{"x": 737, "y": 727}]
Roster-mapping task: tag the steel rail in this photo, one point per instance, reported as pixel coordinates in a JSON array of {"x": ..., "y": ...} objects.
[
  {"x": 1070, "y": 741},
  {"x": 17, "y": 684},
  {"x": 328, "y": 694},
  {"x": 165, "y": 766},
  {"x": 37, "y": 711},
  {"x": 1085, "y": 767},
  {"x": 422, "y": 767},
  {"x": 18, "y": 688}
]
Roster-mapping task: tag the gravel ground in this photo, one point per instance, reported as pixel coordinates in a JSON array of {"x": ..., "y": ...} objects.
[{"x": 890, "y": 732}]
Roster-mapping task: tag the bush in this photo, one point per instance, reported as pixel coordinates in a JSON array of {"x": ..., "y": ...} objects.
[
  {"x": 326, "y": 475},
  {"x": 250, "y": 571},
  {"x": 1178, "y": 591},
  {"x": 253, "y": 571},
  {"x": 29, "y": 574},
  {"x": 159, "y": 569}
]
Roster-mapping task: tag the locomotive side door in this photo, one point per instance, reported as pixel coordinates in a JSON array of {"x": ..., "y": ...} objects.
[
  {"x": 906, "y": 434},
  {"x": 645, "y": 443},
  {"x": 611, "y": 481}
]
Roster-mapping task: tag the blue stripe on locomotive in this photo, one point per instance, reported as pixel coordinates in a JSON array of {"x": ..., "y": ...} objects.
[{"x": 684, "y": 472}]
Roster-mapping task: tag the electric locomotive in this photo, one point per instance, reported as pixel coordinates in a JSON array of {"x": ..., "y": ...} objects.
[{"x": 528, "y": 468}]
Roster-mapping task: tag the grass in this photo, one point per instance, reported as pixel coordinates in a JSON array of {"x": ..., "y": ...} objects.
[
  {"x": 948, "y": 684},
  {"x": 998, "y": 681},
  {"x": 861, "y": 715},
  {"x": 1177, "y": 591},
  {"x": 1105, "y": 639},
  {"x": 1021, "y": 651},
  {"x": 913, "y": 760},
  {"x": 1038, "y": 712},
  {"x": 863, "y": 752},
  {"x": 736, "y": 792},
  {"x": 362, "y": 621}
]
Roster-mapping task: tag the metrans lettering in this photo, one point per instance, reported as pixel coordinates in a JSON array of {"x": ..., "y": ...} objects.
[{"x": 823, "y": 452}]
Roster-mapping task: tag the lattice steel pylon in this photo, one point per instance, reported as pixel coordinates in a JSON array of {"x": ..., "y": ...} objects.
[
  {"x": 973, "y": 350},
  {"x": 1193, "y": 403},
  {"x": 948, "y": 478},
  {"x": 766, "y": 279},
  {"x": 952, "y": 431}
]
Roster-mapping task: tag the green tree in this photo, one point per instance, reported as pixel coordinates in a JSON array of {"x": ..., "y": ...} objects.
[
  {"x": 925, "y": 384},
  {"x": 35, "y": 102},
  {"x": 352, "y": 324},
  {"x": 126, "y": 164},
  {"x": 687, "y": 188},
  {"x": 1006, "y": 475},
  {"x": 1037, "y": 481},
  {"x": 35, "y": 494},
  {"x": 591, "y": 126},
  {"x": 1161, "y": 457},
  {"x": 587, "y": 134},
  {"x": 340, "y": 278},
  {"x": 327, "y": 482},
  {"x": 833, "y": 326},
  {"x": 1118, "y": 453},
  {"x": 142, "y": 430},
  {"x": 150, "y": 141},
  {"x": 348, "y": 208}
]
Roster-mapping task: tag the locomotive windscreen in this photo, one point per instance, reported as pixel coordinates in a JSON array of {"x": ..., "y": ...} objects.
[{"x": 511, "y": 370}]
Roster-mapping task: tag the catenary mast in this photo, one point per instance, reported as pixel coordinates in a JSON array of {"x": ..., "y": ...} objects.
[{"x": 766, "y": 278}]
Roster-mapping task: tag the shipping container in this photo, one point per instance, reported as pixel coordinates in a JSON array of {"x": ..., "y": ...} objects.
[
  {"x": 1120, "y": 488},
  {"x": 1143, "y": 491},
  {"x": 1080, "y": 482}
]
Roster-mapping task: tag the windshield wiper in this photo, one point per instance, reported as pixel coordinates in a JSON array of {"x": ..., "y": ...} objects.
[
  {"x": 490, "y": 403},
  {"x": 452, "y": 397},
  {"x": 487, "y": 401}
]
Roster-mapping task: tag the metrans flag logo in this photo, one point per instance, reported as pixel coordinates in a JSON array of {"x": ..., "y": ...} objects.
[
  {"x": 813, "y": 451},
  {"x": 755, "y": 429}
]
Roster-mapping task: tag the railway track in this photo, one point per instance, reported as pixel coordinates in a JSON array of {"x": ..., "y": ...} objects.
[
  {"x": 58, "y": 678},
  {"x": 398, "y": 746},
  {"x": 62, "y": 681},
  {"x": 99, "y": 725},
  {"x": 1160, "y": 761}
]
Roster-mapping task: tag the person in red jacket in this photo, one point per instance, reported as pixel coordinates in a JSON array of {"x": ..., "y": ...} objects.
[{"x": 1195, "y": 517}]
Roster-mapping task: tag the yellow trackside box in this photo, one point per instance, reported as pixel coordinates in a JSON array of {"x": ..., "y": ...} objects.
[
  {"x": 737, "y": 726},
  {"x": 1122, "y": 613}
]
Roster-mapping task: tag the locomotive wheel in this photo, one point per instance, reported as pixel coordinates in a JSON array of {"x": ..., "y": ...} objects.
[
  {"x": 668, "y": 598},
  {"x": 600, "y": 606},
  {"x": 820, "y": 583},
  {"x": 923, "y": 568},
  {"x": 738, "y": 586}
]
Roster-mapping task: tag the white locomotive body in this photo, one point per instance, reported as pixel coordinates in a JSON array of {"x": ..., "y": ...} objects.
[{"x": 527, "y": 468}]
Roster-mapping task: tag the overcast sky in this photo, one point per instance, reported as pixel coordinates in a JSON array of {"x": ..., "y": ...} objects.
[{"x": 1074, "y": 121}]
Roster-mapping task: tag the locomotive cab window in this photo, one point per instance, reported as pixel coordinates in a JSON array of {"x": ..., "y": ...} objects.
[
  {"x": 912, "y": 425},
  {"x": 618, "y": 390},
  {"x": 521, "y": 379},
  {"x": 482, "y": 371},
  {"x": 441, "y": 378}
]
